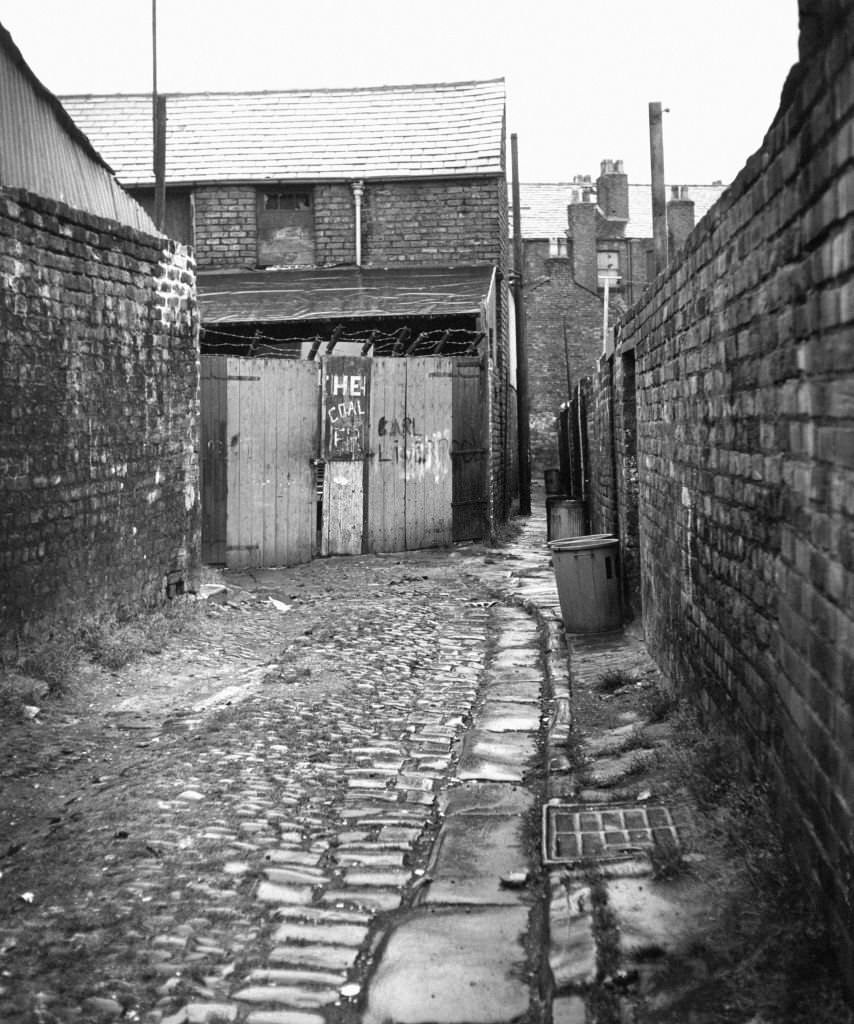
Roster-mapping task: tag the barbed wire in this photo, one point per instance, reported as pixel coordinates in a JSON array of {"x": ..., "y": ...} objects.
[{"x": 449, "y": 341}]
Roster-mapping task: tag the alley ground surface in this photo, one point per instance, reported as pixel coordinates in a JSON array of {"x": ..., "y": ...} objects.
[{"x": 327, "y": 804}]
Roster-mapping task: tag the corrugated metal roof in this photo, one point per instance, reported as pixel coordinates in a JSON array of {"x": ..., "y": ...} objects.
[
  {"x": 303, "y": 135},
  {"x": 267, "y": 296},
  {"x": 543, "y": 207},
  {"x": 44, "y": 152}
]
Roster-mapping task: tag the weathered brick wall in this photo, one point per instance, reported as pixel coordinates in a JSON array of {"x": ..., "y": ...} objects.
[
  {"x": 335, "y": 225},
  {"x": 226, "y": 233},
  {"x": 745, "y": 435},
  {"x": 98, "y": 414},
  {"x": 432, "y": 221}
]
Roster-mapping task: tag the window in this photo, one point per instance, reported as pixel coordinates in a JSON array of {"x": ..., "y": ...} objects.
[
  {"x": 285, "y": 228},
  {"x": 558, "y": 247},
  {"x": 287, "y": 200},
  {"x": 608, "y": 268}
]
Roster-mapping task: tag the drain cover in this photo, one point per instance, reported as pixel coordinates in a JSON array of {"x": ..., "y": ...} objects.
[{"x": 577, "y": 832}]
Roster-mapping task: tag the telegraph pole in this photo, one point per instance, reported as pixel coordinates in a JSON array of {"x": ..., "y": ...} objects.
[
  {"x": 659, "y": 199},
  {"x": 158, "y": 121},
  {"x": 522, "y": 409}
]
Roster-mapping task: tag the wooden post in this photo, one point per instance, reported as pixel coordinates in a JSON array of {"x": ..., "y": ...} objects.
[
  {"x": 158, "y": 118},
  {"x": 659, "y": 200},
  {"x": 522, "y": 408}
]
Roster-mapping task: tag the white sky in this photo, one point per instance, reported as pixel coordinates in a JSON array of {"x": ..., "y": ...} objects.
[{"x": 579, "y": 73}]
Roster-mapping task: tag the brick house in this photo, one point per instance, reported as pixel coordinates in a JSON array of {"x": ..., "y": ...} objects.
[
  {"x": 99, "y": 505},
  {"x": 339, "y": 224},
  {"x": 577, "y": 235}
]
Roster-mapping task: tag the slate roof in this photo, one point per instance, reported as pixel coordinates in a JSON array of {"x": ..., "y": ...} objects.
[
  {"x": 402, "y": 131},
  {"x": 543, "y": 207}
]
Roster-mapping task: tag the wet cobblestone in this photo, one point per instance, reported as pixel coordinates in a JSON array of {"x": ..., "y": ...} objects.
[{"x": 244, "y": 857}]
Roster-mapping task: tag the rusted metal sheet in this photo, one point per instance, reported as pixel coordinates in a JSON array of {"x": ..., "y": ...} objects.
[
  {"x": 44, "y": 152},
  {"x": 345, "y": 415}
]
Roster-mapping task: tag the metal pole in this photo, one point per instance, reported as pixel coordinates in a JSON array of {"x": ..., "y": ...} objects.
[
  {"x": 659, "y": 201},
  {"x": 158, "y": 120},
  {"x": 522, "y": 408}
]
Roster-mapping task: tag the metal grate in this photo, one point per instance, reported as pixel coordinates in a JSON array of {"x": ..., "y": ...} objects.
[{"x": 577, "y": 832}]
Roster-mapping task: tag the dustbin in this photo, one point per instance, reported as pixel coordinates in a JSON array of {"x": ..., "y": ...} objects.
[
  {"x": 565, "y": 518},
  {"x": 588, "y": 582},
  {"x": 553, "y": 484}
]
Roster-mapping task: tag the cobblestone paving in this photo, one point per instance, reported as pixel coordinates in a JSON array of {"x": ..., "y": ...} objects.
[{"x": 242, "y": 856}]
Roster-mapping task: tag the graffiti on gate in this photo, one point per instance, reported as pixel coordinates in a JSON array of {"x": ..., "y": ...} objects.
[
  {"x": 399, "y": 443},
  {"x": 346, "y": 416}
]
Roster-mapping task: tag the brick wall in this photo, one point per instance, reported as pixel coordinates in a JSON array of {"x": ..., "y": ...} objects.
[
  {"x": 98, "y": 414},
  {"x": 745, "y": 452},
  {"x": 432, "y": 221},
  {"x": 335, "y": 225},
  {"x": 444, "y": 222},
  {"x": 226, "y": 233}
]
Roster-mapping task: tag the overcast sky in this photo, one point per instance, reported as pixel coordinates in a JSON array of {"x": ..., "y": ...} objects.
[{"x": 580, "y": 74}]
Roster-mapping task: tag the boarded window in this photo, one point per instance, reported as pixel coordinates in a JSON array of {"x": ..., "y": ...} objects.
[{"x": 285, "y": 228}]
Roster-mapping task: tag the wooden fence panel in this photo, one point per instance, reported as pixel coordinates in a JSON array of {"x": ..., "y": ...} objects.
[
  {"x": 271, "y": 499},
  {"x": 429, "y": 407},
  {"x": 214, "y": 459},
  {"x": 469, "y": 451},
  {"x": 386, "y": 474}
]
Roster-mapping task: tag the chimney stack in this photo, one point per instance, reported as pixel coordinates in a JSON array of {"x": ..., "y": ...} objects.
[
  {"x": 582, "y": 234},
  {"x": 680, "y": 217},
  {"x": 612, "y": 188}
]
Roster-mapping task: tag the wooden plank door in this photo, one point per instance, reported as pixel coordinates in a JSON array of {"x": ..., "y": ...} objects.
[
  {"x": 469, "y": 451},
  {"x": 213, "y": 468},
  {"x": 346, "y": 417},
  {"x": 272, "y": 438},
  {"x": 385, "y": 519},
  {"x": 429, "y": 409}
]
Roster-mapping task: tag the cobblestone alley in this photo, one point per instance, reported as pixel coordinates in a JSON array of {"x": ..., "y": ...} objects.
[{"x": 320, "y": 808}]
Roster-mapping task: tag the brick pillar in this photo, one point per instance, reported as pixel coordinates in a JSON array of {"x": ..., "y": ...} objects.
[
  {"x": 680, "y": 217},
  {"x": 582, "y": 233},
  {"x": 612, "y": 190}
]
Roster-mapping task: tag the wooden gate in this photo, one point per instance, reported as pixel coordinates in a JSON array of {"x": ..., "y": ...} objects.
[
  {"x": 402, "y": 440},
  {"x": 259, "y": 437},
  {"x": 409, "y": 463}
]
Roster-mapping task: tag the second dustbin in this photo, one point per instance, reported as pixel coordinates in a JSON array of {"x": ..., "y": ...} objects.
[
  {"x": 565, "y": 518},
  {"x": 588, "y": 582}
]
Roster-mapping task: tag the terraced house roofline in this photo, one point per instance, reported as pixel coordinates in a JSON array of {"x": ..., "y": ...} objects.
[{"x": 385, "y": 132}]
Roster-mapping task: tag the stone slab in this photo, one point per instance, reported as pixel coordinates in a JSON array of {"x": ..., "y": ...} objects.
[
  {"x": 522, "y": 690},
  {"x": 470, "y": 857},
  {"x": 448, "y": 967},
  {"x": 486, "y": 798},
  {"x": 496, "y": 757},
  {"x": 572, "y": 950},
  {"x": 500, "y": 716}
]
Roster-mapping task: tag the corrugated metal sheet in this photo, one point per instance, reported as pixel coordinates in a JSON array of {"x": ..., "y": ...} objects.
[
  {"x": 405, "y": 131},
  {"x": 277, "y": 295},
  {"x": 44, "y": 152}
]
